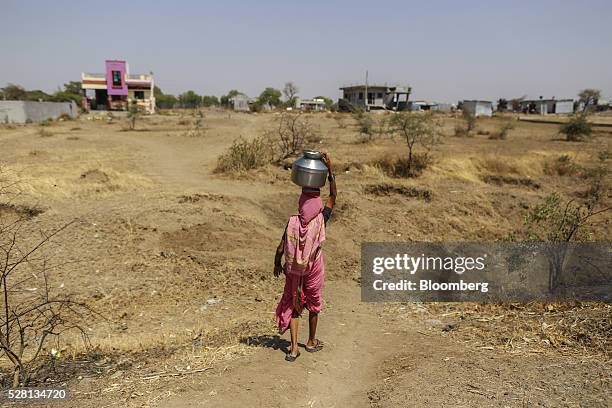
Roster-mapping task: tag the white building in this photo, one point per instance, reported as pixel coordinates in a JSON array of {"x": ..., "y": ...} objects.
[
  {"x": 548, "y": 106},
  {"x": 315, "y": 104},
  {"x": 478, "y": 108}
]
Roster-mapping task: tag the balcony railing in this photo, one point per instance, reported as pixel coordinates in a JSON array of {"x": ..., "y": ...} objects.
[
  {"x": 141, "y": 77},
  {"x": 93, "y": 76}
]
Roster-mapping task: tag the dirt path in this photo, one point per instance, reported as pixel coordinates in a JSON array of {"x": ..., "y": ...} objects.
[
  {"x": 356, "y": 341},
  {"x": 372, "y": 359}
]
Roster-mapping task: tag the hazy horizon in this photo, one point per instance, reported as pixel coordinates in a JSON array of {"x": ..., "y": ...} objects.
[{"x": 446, "y": 51}]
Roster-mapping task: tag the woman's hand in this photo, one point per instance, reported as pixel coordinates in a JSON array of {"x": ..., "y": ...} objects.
[
  {"x": 277, "y": 270},
  {"x": 327, "y": 162}
]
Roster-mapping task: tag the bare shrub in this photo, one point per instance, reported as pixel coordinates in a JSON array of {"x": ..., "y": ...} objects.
[
  {"x": 32, "y": 314},
  {"x": 469, "y": 124},
  {"x": 382, "y": 128},
  {"x": 290, "y": 135},
  {"x": 245, "y": 155},
  {"x": 419, "y": 131},
  {"x": 198, "y": 129},
  {"x": 365, "y": 125},
  {"x": 133, "y": 115}
]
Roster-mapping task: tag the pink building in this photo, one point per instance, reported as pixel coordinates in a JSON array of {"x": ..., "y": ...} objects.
[{"x": 116, "y": 88}]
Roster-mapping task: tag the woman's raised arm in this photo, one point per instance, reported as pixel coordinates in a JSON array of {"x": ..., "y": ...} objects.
[{"x": 333, "y": 192}]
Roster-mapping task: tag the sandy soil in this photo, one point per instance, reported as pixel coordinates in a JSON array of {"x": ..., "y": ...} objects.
[{"x": 179, "y": 261}]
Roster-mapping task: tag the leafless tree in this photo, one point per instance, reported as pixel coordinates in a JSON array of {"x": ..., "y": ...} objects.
[
  {"x": 31, "y": 314},
  {"x": 290, "y": 134},
  {"x": 290, "y": 91}
]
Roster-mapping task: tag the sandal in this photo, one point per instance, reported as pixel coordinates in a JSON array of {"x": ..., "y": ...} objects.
[
  {"x": 290, "y": 358},
  {"x": 318, "y": 346}
]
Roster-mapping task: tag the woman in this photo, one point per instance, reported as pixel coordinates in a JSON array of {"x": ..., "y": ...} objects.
[{"x": 302, "y": 246}]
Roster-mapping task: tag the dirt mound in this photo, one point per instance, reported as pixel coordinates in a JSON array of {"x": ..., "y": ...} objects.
[
  {"x": 95, "y": 176},
  {"x": 515, "y": 181},
  {"x": 407, "y": 191},
  {"x": 225, "y": 238}
]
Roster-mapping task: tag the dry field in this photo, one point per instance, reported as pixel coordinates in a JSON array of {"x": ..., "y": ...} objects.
[{"x": 178, "y": 261}]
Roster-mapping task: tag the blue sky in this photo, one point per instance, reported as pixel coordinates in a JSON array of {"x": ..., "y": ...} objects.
[{"x": 446, "y": 50}]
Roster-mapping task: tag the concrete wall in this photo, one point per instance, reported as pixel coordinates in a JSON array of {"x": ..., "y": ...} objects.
[
  {"x": 564, "y": 107},
  {"x": 28, "y": 111}
]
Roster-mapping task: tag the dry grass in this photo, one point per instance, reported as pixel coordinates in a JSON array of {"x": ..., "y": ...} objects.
[
  {"x": 583, "y": 328},
  {"x": 498, "y": 165},
  {"x": 59, "y": 181},
  {"x": 244, "y": 155},
  {"x": 561, "y": 166},
  {"x": 402, "y": 168},
  {"x": 42, "y": 132}
]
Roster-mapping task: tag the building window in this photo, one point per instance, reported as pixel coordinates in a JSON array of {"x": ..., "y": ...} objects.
[
  {"x": 138, "y": 94},
  {"x": 360, "y": 95},
  {"x": 116, "y": 78},
  {"x": 379, "y": 95}
]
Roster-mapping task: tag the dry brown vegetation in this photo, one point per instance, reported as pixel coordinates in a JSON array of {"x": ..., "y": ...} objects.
[{"x": 179, "y": 258}]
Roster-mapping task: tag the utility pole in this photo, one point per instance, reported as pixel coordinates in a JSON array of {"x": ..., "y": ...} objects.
[{"x": 367, "y": 108}]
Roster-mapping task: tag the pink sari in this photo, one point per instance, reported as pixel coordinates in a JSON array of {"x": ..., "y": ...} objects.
[{"x": 304, "y": 267}]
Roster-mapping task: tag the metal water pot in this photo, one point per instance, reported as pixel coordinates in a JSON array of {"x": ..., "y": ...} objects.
[{"x": 309, "y": 170}]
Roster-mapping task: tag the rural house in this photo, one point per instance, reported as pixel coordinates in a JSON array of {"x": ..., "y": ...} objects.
[
  {"x": 240, "y": 103},
  {"x": 374, "y": 97},
  {"x": 116, "y": 88},
  {"x": 478, "y": 108},
  {"x": 315, "y": 104},
  {"x": 546, "y": 106}
]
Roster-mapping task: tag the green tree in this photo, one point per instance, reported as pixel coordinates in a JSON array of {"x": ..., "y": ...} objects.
[
  {"x": 37, "y": 95},
  {"x": 210, "y": 100},
  {"x": 270, "y": 96},
  {"x": 73, "y": 87},
  {"x": 14, "y": 92},
  {"x": 589, "y": 97},
  {"x": 162, "y": 100},
  {"x": 72, "y": 92},
  {"x": 577, "y": 128},
  {"x": 166, "y": 101},
  {"x": 190, "y": 99}
]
